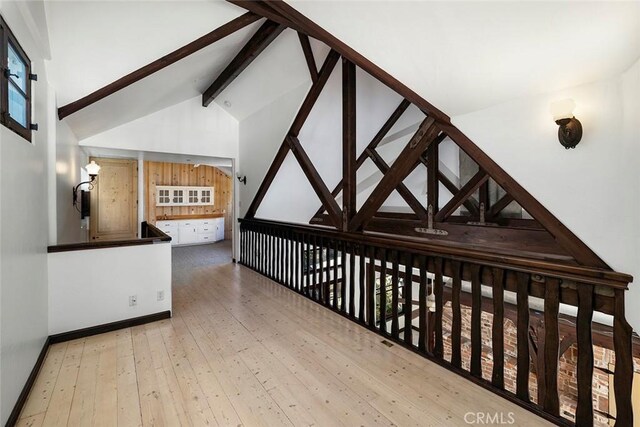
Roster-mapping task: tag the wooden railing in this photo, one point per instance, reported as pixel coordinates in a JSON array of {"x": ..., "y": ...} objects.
[{"x": 396, "y": 288}]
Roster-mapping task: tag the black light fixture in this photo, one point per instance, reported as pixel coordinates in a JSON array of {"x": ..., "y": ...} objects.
[
  {"x": 242, "y": 178},
  {"x": 92, "y": 169},
  {"x": 570, "y": 131}
]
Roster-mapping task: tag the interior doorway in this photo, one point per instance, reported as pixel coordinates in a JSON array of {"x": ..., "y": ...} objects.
[
  {"x": 114, "y": 200},
  {"x": 192, "y": 203}
]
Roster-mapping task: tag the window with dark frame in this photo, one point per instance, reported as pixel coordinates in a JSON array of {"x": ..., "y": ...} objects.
[{"x": 15, "y": 84}]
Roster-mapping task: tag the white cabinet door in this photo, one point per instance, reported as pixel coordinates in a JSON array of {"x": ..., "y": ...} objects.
[
  {"x": 219, "y": 229},
  {"x": 188, "y": 234}
]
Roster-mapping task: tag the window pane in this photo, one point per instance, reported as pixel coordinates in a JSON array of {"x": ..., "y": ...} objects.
[
  {"x": 17, "y": 68},
  {"x": 17, "y": 106}
]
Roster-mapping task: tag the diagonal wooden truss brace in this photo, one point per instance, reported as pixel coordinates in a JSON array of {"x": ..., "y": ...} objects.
[
  {"x": 328, "y": 66},
  {"x": 283, "y": 13}
]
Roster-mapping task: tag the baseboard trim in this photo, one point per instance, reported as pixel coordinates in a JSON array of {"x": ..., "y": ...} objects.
[
  {"x": 108, "y": 327},
  {"x": 31, "y": 379},
  {"x": 72, "y": 335}
]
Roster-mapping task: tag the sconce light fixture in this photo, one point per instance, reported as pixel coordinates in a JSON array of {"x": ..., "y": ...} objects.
[
  {"x": 242, "y": 178},
  {"x": 92, "y": 169},
  {"x": 570, "y": 131}
]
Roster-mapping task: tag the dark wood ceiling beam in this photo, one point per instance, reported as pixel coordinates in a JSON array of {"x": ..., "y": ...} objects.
[
  {"x": 570, "y": 241},
  {"x": 465, "y": 192},
  {"x": 406, "y": 161},
  {"x": 325, "y": 72},
  {"x": 157, "y": 65},
  {"x": 314, "y": 30},
  {"x": 301, "y": 116},
  {"x": 262, "y": 38},
  {"x": 349, "y": 167},
  {"x": 470, "y": 203},
  {"x": 402, "y": 189},
  {"x": 316, "y": 181},
  {"x": 308, "y": 56},
  {"x": 265, "y": 10}
]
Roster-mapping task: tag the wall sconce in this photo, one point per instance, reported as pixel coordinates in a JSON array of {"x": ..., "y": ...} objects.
[
  {"x": 242, "y": 178},
  {"x": 92, "y": 169},
  {"x": 570, "y": 131}
]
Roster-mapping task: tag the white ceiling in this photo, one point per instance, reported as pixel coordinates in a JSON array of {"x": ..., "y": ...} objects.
[
  {"x": 460, "y": 56},
  {"x": 219, "y": 162},
  {"x": 463, "y": 56}
]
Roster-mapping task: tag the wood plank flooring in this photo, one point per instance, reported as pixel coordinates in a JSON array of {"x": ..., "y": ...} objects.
[{"x": 242, "y": 350}]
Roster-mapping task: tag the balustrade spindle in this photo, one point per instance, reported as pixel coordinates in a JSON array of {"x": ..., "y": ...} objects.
[
  {"x": 497, "y": 331},
  {"x": 422, "y": 338},
  {"x": 550, "y": 401},
  {"x": 408, "y": 304},
  {"x": 383, "y": 291},
  {"x": 522, "y": 374},
  {"x": 584, "y": 409},
  {"x": 394, "y": 295},
  {"x": 438, "y": 348},
  {"x": 456, "y": 324},
  {"x": 352, "y": 280},
  {"x": 476, "y": 322}
]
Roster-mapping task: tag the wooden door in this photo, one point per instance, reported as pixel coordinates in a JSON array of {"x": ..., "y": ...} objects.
[{"x": 114, "y": 200}]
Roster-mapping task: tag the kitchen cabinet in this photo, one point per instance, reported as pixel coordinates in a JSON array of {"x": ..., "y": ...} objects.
[{"x": 193, "y": 231}]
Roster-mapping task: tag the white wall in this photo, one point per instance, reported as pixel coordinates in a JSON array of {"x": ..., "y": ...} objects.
[
  {"x": 260, "y": 137},
  {"x": 584, "y": 187},
  {"x": 70, "y": 159},
  {"x": 184, "y": 128},
  {"x": 23, "y": 231},
  {"x": 92, "y": 287},
  {"x": 630, "y": 88}
]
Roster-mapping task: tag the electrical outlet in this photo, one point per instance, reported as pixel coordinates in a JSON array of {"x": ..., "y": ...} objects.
[
  {"x": 133, "y": 300},
  {"x": 160, "y": 295}
]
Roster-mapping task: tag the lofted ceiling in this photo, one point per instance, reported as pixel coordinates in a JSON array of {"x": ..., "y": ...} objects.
[
  {"x": 460, "y": 56},
  {"x": 463, "y": 56}
]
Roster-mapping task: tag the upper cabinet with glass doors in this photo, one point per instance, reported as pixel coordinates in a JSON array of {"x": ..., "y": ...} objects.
[{"x": 183, "y": 196}]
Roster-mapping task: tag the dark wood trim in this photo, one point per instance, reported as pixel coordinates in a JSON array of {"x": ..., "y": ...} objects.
[
  {"x": 465, "y": 192},
  {"x": 157, "y": 65},
  {"x": 267, "y": 180},
  {"x": 578, "y": 273},
  {"x": 311, "y": 98},
  {"x": 433, "y": 187},
  {"x": 471, "y": 204},
  {"x": 308, "y": 56},
  {"x": 288, "y": 13},
  {"x": 31, "y": 379},
  {"x": 402, "y": 189},
  {"x": 8, "y": 38},
  {"x": 155, "y": 236},
  {"x": 349, "y": 167},
  {"x": 262, "y": 38},
  {"x": 499, "y": 206},
  {"x": 405, "y": 162},
  {"x": 325, "y": 72},
  {"x": 72, "y": 335},
  {"x": 565, "y": 237},
  {"x": 397, "y": 113},
  {"x": 109, "y": 327},
  {"x": 323, "y": 193}
]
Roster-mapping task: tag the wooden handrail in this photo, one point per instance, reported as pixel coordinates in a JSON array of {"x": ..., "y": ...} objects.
[
  {"x": 363, "y": 276},
  {"x": 150, "y": 236},
  {"x": 582, "y": 274}
]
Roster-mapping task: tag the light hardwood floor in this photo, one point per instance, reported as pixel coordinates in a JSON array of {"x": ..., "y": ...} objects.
[{"x": 242, "y": 350}]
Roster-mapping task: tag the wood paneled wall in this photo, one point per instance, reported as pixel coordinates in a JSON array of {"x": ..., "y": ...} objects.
[{"x": 161, "y": 173}]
